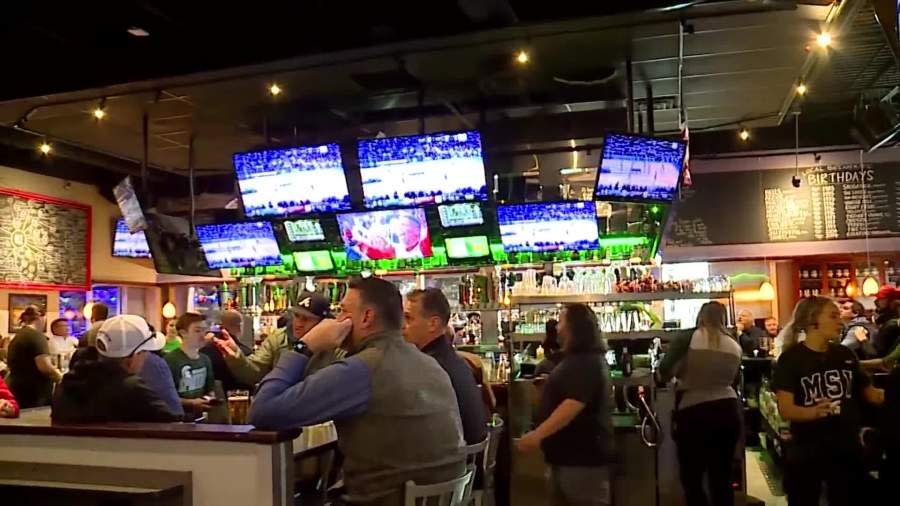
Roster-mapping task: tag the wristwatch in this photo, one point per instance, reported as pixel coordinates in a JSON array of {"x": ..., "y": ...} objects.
[{"x": 303, "y": 349}]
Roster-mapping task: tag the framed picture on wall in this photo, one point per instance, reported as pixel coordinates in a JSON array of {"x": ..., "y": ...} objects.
[{"x": 17, "y": 304}]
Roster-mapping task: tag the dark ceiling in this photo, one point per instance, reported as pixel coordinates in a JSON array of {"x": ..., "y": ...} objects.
[{"x": 68, "y": 46}]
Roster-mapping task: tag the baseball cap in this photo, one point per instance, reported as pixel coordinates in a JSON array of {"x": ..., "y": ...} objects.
[
  {"x": 888, "y": 292},
  {"x": 124, "y": 335},
  {"x": 315, "y": 304}
]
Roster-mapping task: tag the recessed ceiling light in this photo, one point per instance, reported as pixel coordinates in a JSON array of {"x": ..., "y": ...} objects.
[
  {"x": 138, "y": 31},
  {"x": 522, "y": 57},
  {"x": 823, "y": 39},
  {"x": 45, "y": 148},
  {"x": 275, "y": 90}
]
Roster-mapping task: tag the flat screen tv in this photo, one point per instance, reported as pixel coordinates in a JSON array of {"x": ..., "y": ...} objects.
[
  {"x": 461, "y": 215},
  {"x": 313, "y": 261},
  {"x": 422, "y": 169},
  {"x": 304, "y": 230},
  {"x": 130, "y": 205},
  {"x": 639, "y": 168},
  {"x": 548, "y": 226},
  {"x": 174, "y": 247},
  {"x": 126, "y": 244},
  {"x": 475, "y": 246},
  {"x": 289, "y": 181},
  {"x": 380, "y": 235},
  {"x": 250, "y": 244}
]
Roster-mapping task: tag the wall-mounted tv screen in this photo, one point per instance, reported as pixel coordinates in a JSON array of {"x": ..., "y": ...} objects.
[
  {"x": 379, "y": 235},
  {"x": 639, "y": 168},
  {"x": 299, "y": 180},
  {"x": 174, "y": 247},
  {"x": 126, "y": 244},
  {"x": 127, "y": 198},
  {"x": 304, "y": 230},
  {"x": 475, "y": 246},
  {"x": 313, "y": 261},
  {"x": 250, "y": 244},
  {"x": 461, "y": 215},
  {"x": 549, "y": 226},
  {"x": 422, "y": 169}
]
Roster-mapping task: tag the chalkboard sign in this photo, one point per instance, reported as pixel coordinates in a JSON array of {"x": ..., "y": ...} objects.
[
  {"x": 744, "y": 207},
  {"x": 44, "y": 242}
]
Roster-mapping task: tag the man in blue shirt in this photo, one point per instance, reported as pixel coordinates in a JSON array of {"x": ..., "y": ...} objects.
[{"x": 395, "y": 409}]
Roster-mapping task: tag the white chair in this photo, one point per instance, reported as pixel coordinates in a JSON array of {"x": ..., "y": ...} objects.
[{"x": 448, "y": 493}]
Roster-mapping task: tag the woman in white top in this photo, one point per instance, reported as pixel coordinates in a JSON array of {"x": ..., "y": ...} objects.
[{"x": 707, "y": 421}]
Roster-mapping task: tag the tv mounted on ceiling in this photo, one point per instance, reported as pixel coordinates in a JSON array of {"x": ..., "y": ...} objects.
[
  {"x": 548, "y": 226},
  {"x": 422, "y": 169},
  {"x": 291, "y": 181},
  {"x": 639, "y": 168},
  {"x": 249, "y": 244},
  {"x": 381, "y": 235}
]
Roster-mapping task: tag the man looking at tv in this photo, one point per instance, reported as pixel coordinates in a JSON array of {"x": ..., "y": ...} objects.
[
  {"x": 311, "y": 309},
  {"x": 394, "y": 407},
  {"x": 99, "y": 314}
]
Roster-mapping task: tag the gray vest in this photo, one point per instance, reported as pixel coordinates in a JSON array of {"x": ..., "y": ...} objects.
[{"x": 411, "y": 429}]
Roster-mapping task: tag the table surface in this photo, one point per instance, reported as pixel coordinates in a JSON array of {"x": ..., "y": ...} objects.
[{"x": 37, "y": 422}]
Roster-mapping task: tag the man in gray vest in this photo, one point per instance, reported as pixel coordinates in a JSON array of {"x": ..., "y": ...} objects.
[{"x": 394, "y": 407}]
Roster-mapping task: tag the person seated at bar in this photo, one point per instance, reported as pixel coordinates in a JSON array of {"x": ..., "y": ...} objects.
[
  {"x": 99, "y": 313},
  {"x": 250, "y": 369},
  {"x": 394, "y": 407},
  {"x": 481, "y": 378},
  {"x": 60, "y": 340},
  {"x": 102, "y": 384},
  {"x": 156, "y": 374},
  {"x": 31, "y": 370},
  {"x": 857, "y": 332},
  {"x": 426, "y": 315},
  {"x": 232, "y": 323},
  {"x": 748, "y": 333},
  {"x": 191, "y": 370},
  {"x": 9, "y": 408}
]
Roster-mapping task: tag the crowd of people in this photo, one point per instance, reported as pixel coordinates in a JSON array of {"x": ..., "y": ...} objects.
[
  {"x": 384, "y": 368},
  {"x": 381, "y": 370}
]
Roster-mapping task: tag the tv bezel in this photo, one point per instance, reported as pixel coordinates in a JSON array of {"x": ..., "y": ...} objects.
[
  {"x": 591, "y": 203},
  {"x": 389, "y": 210},
  {"x": 270, "y": 217},
  {"x": 274, "y": 238},
  {"x": 596, "y": 197},
  {"x": 112, "y": 246},
  {"x": 362, "y": 185}
]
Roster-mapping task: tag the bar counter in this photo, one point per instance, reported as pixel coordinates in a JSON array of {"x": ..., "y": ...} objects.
[{"x": 177, "y": 464}]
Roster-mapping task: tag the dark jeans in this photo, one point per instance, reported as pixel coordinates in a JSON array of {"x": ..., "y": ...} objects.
[
  {"x": 808, "y": 467},
  {"x": 707, "y": 436}
]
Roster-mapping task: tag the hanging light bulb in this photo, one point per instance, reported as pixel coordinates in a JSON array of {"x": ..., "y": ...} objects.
[
  {"x": 823, "y": 39},
  {"x": 802, "y": 89},
  {"x": 87, "y": 310},
  {"x": 766, "y": 291},
  {"x": 169, "y": 311},
  {"x": 851, "y": 289},
  {"x": 744, "y": 134},
  {"x": 45, "y": 148},
  {"x": 522, "y": 57},
  {"x": 870, "y": 286}
]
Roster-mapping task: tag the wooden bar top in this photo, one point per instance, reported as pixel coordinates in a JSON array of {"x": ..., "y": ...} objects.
[{"x": 37, "y": 422}]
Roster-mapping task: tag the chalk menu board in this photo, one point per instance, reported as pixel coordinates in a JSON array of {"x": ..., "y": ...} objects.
[
  {"x": 764, "y": 206},
  {"x": 45, "y": 242}
]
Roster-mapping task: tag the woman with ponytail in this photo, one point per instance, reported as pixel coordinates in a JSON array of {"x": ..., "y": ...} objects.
[{"x": 819, "y": 386}]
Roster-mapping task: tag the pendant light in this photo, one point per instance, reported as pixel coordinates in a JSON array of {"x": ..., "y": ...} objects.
[
  {"x": 169, "y": 311},
  {"x": 870, "y": 284},
  {"x": 88, "y": 308},
  {"x": 766, "y": 291}
]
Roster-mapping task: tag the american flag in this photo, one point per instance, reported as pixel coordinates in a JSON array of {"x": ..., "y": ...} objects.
[{"x": 686, "y": 136}]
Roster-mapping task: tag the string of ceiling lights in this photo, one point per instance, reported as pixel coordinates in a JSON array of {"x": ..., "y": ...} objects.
[
  {"x": 823, "y": 41},
  {"x": 521, "y": 57}
]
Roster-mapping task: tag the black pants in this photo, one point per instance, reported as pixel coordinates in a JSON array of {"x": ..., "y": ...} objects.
[
  {"x": 809, "y": 467},
  {"x": 707, "y": 435}
]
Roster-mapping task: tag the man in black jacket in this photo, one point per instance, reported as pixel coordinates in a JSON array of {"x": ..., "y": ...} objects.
[
  {"x": 102, "y": 384},
  {"x": 426, "y": 313}
]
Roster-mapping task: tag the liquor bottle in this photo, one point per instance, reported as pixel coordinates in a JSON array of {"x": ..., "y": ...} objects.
[{"x": 627, "y": 362}]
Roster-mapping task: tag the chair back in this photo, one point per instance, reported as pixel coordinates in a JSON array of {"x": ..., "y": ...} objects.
[
  {"x": 448, "y": 493},
  {"x": 489, "y": 461},
  {"x": 474, "y": 459}
]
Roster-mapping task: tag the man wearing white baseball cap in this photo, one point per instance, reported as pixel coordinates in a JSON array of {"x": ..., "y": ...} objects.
[{"x": 102, "y": 384}]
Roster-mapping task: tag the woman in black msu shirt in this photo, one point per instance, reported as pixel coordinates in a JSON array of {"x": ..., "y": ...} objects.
[{"x": 819, "y": 386}]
